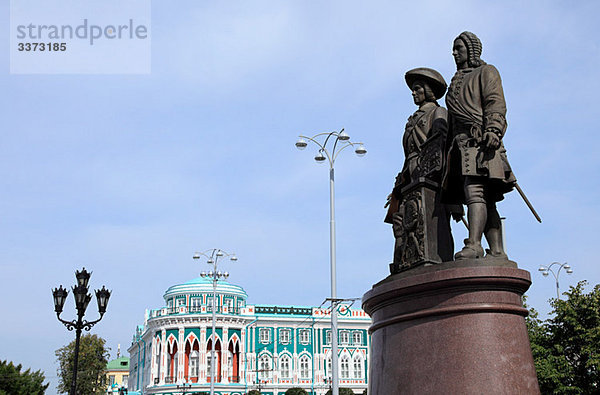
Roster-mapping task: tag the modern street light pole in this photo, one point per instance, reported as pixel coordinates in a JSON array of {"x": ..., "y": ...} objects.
[
  {"x": 82, "y": 299},
  {"x": 548, "y": 269},
  {"x": 323, "y": 154},
  {"x": 213, "y": 256}
]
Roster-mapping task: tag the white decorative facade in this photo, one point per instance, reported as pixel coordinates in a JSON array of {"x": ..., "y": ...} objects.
[{"x": 264, "y": 347}]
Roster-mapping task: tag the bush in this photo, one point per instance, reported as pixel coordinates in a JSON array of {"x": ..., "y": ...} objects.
[
  {"x": 343, "y": 391},
  {"x": 296, "y": 391}
]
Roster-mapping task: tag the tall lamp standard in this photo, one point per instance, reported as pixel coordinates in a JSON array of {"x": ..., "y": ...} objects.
[
  {"x": 212, "y": 258},
  {"x": 548, "y": 269},
  {"x": 82, "y": 299},
  {"x": 344, "y": 140}
]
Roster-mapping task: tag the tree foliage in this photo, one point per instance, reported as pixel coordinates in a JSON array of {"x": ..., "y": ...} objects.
[
  {"x": 15, "y": 382},
  {"x": 93, "y": 357},
  {"x": 566, "y": 347},
  {"x": 296, "y": 391},
  {"x": 343, "y": 391},
  {"x": 254, "y": 392}
]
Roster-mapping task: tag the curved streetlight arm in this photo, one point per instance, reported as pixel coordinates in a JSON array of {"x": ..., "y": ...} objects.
[
  {"x": 79, "y": 323},
  {"x": 546, "y": 269},
  {"x": 213, "y": 258},
  {"x": 69, "y": 324},
  {"x": 213, "y": 252},
  {"x": 322, "y": 147},
  {"x": 348, "y": 144}
]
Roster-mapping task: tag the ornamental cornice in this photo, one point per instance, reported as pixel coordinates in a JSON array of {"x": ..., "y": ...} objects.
[{"x": 174, "y": 320}]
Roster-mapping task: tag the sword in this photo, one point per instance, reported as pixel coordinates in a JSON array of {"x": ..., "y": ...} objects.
[
  {"x": 535, "y": 214},
  {"x": 527, "y": 202}
]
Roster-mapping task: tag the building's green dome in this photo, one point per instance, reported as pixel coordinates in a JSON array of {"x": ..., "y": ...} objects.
[{"x": 202, "y": 285}]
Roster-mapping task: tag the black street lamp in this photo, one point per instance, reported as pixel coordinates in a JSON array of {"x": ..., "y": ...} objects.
[{"x": 82, "y": 299}]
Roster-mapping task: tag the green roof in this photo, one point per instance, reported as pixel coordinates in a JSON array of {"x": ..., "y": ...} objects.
[{"x": 118, "y": 364}]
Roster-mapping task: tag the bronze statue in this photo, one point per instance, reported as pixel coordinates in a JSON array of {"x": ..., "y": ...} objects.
[
  {"x": 419, "y": 221},
  {"x": 478, "y": 173},
  {"x": 427, "y": 86}
]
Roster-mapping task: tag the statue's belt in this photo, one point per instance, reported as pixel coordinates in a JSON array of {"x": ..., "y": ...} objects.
[{"x": 472, "y": 130}]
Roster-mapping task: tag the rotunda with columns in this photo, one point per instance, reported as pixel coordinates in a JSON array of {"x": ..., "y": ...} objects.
[{"x": 270, "y": 348}]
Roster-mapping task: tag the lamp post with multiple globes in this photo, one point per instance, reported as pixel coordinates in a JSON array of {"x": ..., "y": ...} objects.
[
  {"x": 548, "y": 269},
  {"x": 82, "y": 299},
  {"x": 323, "y": 154},
  {"x": 212, "y": 258}
]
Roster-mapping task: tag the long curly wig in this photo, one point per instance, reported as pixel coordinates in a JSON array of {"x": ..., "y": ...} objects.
[{"x": 474, "y": 48}]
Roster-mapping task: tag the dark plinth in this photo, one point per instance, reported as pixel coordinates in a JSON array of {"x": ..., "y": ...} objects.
[{"x": 459, "y": 330}]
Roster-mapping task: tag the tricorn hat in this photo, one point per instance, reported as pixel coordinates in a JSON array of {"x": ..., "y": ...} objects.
[{"x": 434, "y": 79}]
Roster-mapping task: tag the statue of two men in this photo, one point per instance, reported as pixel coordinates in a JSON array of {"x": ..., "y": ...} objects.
[{"x": 474, "y": 169}]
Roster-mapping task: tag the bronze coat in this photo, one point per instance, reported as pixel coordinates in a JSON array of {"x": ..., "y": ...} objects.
[{"x": 475, "y": 102}]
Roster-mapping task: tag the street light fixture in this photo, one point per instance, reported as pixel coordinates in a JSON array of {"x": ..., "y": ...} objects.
[
  {"x": 213, "y": 256},
  {"x": 548, "y": 269},
  {"x": 82, "y": 299},
  {"x": 323, "y": 154}
]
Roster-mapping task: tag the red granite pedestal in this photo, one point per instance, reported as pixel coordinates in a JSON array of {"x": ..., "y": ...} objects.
[{"x": 454, "y": 328}]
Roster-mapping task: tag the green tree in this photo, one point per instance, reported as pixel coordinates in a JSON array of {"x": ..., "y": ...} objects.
[
  {"x": 93, "y": 357},
  {"x": 296, "y": 391},
  {"x": 15, "y": 382},
  {"x": 343, "y": 391},
  {"x": 566, "y": 347}
]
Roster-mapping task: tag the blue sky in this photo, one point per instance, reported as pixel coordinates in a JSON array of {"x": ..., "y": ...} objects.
[{"x": 128, "y": 175}]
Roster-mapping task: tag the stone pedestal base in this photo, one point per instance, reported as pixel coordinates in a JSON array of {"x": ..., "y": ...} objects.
[{"x": 455, "y": 328}]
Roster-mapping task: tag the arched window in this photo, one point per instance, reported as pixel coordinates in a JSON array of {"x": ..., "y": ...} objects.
[
  {"x": 172, "y": 362},
  {"x": 194, "y": 356},
  {"x": 305, "y": 372},
  {"x": 229, "y": 363},
  {"x": 357, "y": 367},
  {"x": 328, "y": 368},
  {"x": 233, "y": 362},
  {"x": 284, "y": 367},
  {"x": 217, "y": 361},
  {"x": 209, "y": 364},
  {"x": 345, "y": 367},
  {"x": 158, "y": 359},
  {"x": 264, "y": 367},
  {"x": 192, "y": 360}
]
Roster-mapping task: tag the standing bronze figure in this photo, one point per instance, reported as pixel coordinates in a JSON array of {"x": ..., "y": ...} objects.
[
  {"x": 420, "y": 222},
  {"x": 478, "y": 173}
]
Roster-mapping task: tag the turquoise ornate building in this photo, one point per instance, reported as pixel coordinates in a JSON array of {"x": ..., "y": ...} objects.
[{"x": 266, "y": 347}]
